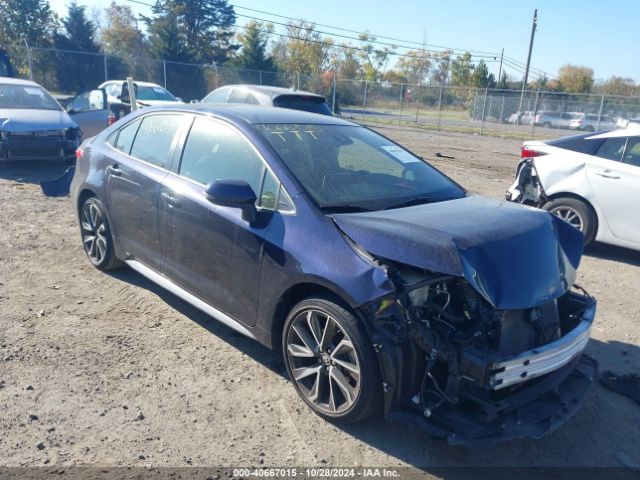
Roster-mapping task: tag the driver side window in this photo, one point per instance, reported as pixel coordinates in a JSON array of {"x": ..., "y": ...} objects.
[{"x": 215, "y": 151}]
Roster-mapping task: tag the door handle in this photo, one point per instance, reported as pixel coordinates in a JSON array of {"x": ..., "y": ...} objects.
[
  {"x": 608, "y": 174},
  {"x": 172, "y": 201},
  {"x": 114, "y": 170}
]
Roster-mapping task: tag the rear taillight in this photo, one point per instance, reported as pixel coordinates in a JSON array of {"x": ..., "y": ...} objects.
[
  {"x": 79, "y": 153},
  {"x": 526, "y": 152},
  {"x": 111, "y": 119}
]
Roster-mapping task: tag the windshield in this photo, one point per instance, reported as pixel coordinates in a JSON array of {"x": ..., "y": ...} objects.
[
  {"x": 154, "y": 93},
  {"x": 305, "y": 103},
  {"x": 350, "y": 168},
  {"x": 26, "y": 97}
]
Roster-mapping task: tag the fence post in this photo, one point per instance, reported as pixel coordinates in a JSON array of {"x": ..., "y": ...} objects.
[
  {"x": 29, "y": 58},
  {"x": 164, "y": 72},
  {"x": 533, "y": 113},
  {"x": 502, "y": 109},
  {"x": 600, "y": 111},
  {"x": 401, "y": 102},
  {"x": 366, "y": 88},
  {"x": 260, "y": 77},
  {"x": 440, "y": 100},
  {"x": 475, "y": 103},
  {"x": 417, "y": 104},
  {"x": 298, "y": 80},
  {"x": 106, "y": 72},
  {"x": 484, "y": 103},
  {"x": 333, "y": 96}
]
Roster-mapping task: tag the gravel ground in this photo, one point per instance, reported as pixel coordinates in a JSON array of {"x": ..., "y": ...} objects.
[{"x": 108, "y": 369}]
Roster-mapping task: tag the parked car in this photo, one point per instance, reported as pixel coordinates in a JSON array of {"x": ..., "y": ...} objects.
[
  {"x": 269, "y": 96},
  {"x": 383, "y": 283},
  {"x": 555, "y": 119},
  {"x": 33, "y": 125},
  {"x": 524, "y": 118},
  {"x": 588, "y": 180},
  {"x": 147, "y": 93},
  {"x": 627, "y": 122},
  {"x": 590, "y": 122}
]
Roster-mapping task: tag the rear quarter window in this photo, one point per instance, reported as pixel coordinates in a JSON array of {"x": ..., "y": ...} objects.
[{"x": 125, "y": 137}]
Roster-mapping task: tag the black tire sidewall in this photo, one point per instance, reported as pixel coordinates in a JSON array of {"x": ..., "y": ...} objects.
[
  {"x": 370, "y": 385},
  {"x": 587, "y": 214},
  {"x": 110, "y": 261}
]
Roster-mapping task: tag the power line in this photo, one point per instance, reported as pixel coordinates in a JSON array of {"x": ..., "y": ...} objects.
[{"x": 489, "y": 58}]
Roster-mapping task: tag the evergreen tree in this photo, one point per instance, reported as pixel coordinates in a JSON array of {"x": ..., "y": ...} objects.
[
  {"x": 76, "y": 72},
  {"x": 462, "y": 71},
  {"x": 253, "y": 51},
  {"x": 26, "y": 20}
]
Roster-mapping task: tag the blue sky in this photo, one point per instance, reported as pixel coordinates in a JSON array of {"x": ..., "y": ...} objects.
[{"x": 594, "y": 33}]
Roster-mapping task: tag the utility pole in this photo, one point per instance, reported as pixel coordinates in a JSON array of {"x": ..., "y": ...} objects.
[
  {"x": 526, "y": 70},
  {"x": 500, "y": 69}
]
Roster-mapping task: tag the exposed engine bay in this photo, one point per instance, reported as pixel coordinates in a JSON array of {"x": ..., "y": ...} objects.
[{"x": 468, "y": 372}]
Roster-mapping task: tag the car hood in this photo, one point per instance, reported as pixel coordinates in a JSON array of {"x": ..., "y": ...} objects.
[
  {"x": 514, "y": 256},
  {"x": 30, "y": 120}
]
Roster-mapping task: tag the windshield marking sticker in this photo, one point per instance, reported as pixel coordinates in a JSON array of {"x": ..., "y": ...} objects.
[
  {"x": 399, "y": 154},
  {"x": 34, "y": 91}
]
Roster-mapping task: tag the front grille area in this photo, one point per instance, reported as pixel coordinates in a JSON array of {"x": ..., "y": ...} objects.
[{"x": 36, "y": 147}]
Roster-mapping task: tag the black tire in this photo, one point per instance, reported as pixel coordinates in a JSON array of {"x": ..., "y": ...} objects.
[
  {"x": 95, "y": 232},
  {"x": 347, "y": 330},
  {"x": 547, "y": 125},
  {"x": 588, "y": 128},
  {"x": 565, "y": 207}
]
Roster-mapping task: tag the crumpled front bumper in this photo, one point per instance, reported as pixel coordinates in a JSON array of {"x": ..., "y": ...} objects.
[
  {"x": 531, "y": 413},
  {"x": 526, "y": 188}
]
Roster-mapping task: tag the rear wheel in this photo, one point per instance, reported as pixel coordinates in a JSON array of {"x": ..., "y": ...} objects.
[
  {"x": 547, "y": 125},
  {"x": 576, "y": 213},
  {"x": 96, "y": 235},
  {"x": 331, "y": 361}
]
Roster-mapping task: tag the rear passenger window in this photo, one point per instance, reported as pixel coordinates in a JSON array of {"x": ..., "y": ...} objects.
[
  {"x": 154, "y": 139},
  {"x": 126, "y": 136},
  {"x": 612, "y": 149},
  {"x": 238, "y": 96},
  {"x": 215, "y": 151}
]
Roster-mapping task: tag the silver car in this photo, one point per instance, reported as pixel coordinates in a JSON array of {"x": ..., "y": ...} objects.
[
  {"x": 590, "y": 122},
  {"x": 33, "y": 125}
]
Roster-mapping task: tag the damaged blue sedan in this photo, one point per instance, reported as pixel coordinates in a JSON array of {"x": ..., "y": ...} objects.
[{"x": 383, "y": 284}]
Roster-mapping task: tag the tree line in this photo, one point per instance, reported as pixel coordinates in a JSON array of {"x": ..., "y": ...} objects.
[{"x": 204, "y": 32}]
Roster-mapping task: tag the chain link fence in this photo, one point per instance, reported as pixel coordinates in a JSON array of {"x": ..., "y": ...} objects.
[{"x": 443, "y": 107}]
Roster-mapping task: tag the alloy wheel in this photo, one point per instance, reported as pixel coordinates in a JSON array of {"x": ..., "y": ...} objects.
[
  {"x": 570, "y": 216},
  {"x": 94, "y": 237},
  {"x": 323, "y": 362}
]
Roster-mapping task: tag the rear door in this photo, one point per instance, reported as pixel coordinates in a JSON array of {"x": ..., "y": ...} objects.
[
  {"x": 209, "y": 249},
  {"x": 614, "y": 175},
  {"x": 138, "y": 164}
]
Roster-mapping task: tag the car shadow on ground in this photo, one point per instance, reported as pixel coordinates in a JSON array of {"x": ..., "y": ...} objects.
[
  {"x": 592, "y": 438},
  {"x": 612, "y": 252},
  {"x": 32, "y": 172}
]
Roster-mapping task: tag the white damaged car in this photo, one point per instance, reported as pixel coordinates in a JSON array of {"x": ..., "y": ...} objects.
[{"x": 591, "y": 181}]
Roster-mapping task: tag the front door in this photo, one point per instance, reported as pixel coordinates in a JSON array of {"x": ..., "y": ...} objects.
[
  {"x": 135, "y": 171},
  {"x": 615, "y": 180},
  {"x": 89, "y": 111},
  {"x": 209, "y": 249}
]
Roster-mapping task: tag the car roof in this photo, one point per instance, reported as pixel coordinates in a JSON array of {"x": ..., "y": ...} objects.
[
  {"x": 137, "y": 82},
  {"x": 18, "y": 81},
  {"x": 630, "y": 131},
  {"x": 252, "y": 114},
  {"x": 272, "y": 91}
]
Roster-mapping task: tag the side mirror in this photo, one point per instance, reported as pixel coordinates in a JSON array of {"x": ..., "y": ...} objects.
[{"x": 234, "y": 193}]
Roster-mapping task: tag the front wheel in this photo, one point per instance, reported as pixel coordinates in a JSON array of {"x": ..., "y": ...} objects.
[
  {"x": 96, "y": 235},
  {"x": 576, "y": 213},
  {"x": 330, "y": 360}
]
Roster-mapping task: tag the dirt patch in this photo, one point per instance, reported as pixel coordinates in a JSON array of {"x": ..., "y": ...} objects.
[{"x": 112, "y": 370}]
